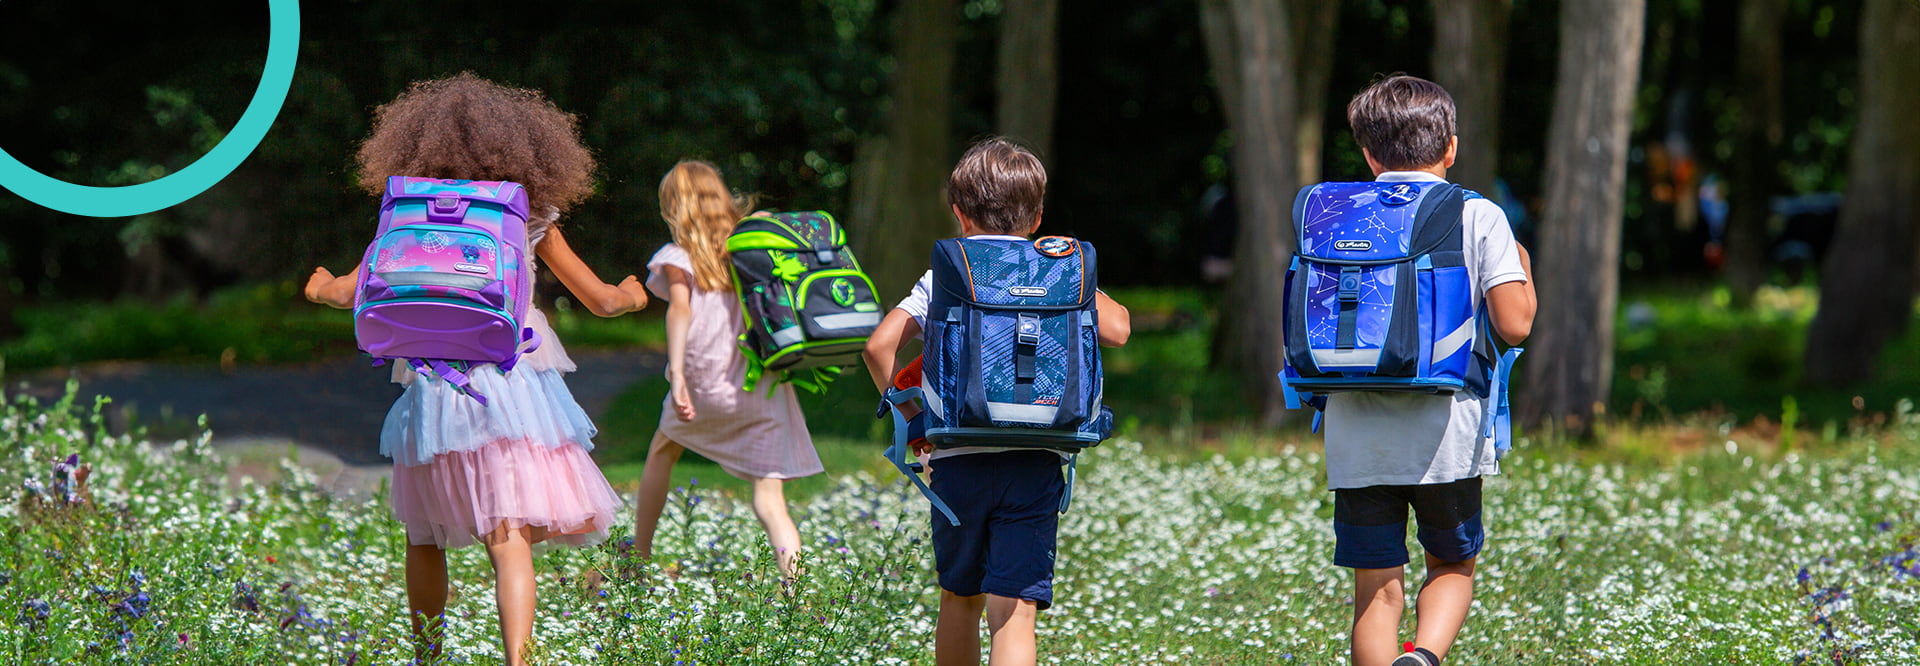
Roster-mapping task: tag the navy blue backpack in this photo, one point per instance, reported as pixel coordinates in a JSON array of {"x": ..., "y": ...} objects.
[
  {"x": 1379, "y": 298},
  {"x": 1012, "y": 355}
]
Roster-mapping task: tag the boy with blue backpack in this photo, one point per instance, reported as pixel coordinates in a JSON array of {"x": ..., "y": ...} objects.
[
  {"x": 1011, "y": 385},
  {"x": 1394, "y": 298}
]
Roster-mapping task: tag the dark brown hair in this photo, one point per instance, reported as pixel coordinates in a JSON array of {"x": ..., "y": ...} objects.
[
  {"x": 470, "y": 128},
  {"x": 1405, "y": 122},
  {"x": 999, "y": 185}
]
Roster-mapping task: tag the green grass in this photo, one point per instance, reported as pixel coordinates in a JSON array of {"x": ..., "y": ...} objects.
[
  {"x": 1699, "y": 355},
  {"x": 1752, "y": 554}
]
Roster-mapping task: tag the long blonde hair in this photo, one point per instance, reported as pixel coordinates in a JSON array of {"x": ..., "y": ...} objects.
[{"x": 700, "y": 209}]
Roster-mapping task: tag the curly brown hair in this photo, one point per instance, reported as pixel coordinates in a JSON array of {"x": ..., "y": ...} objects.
[{"x": 468, "y": 127}]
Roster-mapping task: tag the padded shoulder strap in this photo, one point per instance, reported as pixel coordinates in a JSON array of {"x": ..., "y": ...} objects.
[{"x": 1438, "y": 224}]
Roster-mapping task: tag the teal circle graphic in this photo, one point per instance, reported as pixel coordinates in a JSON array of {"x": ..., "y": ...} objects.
[{"x": 283, "y": 47}]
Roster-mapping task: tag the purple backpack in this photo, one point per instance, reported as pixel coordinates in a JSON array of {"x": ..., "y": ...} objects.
[{"x": 445, "y": 285}]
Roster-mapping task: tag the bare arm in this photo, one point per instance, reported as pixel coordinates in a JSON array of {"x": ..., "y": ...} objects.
[
  {"x": 679, "y": 320},
  {"x": 1512, "y": 304},
  {"x": 600, "y": 298},
  {"x": 883, "y": 347},
  {"x": 325, "y": 289},
  {"x": 1116, "y": 324}
]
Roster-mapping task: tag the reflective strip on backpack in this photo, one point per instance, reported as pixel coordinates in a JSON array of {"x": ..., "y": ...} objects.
[
  {"x": 1445, "y": 347},
  {"x": 1018, "y": 413},
  {"x": 788, "y": 336},
  {"x": 847, "y": 320},
  {"x": 934, "y": 405},
  {"x": 1330, "y": 358}
]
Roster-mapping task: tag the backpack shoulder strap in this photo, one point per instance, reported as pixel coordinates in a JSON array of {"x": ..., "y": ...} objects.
[{"x": 1438, "y": 223}]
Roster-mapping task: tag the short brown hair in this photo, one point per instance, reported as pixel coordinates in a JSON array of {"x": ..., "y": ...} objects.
[
  {"x": 999, "y": 185},
  {"x": 1405, "y": 122},
  {"x": 470, "y": 128}
]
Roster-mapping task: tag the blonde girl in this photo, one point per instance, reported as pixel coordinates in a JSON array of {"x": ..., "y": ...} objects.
[{"x": 760, "y": 438}]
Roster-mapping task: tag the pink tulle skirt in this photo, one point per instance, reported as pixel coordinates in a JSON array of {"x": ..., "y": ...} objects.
[{"x": 480, "y": 494}]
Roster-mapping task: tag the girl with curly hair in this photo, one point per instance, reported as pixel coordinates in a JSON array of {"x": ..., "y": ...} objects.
[{"x": 513, "y": 472}]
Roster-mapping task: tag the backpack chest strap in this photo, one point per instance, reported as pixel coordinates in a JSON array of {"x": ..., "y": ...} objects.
[
  {"x": 1347, "y": 333},
  {"x": 1026, "y": 348}
]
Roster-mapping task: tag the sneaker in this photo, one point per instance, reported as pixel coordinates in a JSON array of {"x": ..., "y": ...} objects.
[{"x": 1416, "y": 656}]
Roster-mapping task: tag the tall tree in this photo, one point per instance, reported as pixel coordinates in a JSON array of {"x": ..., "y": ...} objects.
[
  {"x": 1470, "y": 60},
  {"x": 1315, "y": 22},
  {"x": 1571, "y": 365},
  {"x": 1868, "y": 280},
  {"x": 1250, "y": 44},
  {"x": 1754, "y": 176},
  {"x": 1029, "y": 73},
  {"x": 917, "y": 152}
]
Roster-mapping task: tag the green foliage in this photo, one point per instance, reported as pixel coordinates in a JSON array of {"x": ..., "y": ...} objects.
[
  {"x": 1680, "y": 353},
  {"x": 257, "y": 324}
]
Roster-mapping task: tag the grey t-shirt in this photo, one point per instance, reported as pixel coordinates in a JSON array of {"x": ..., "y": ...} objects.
[{"x": 1391, "y": 439}]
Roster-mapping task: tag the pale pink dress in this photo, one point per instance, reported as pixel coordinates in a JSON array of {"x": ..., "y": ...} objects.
[
  {"x": 465, "y": 472},
  {"x": 751, "y": 435}
]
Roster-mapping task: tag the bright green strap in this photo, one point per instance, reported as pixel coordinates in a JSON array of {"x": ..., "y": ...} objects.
[{"x": 755, "y": 366}]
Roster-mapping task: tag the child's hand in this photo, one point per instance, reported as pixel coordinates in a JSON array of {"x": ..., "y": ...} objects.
[
  {"x": 321, "y": 277},
  {"x": 682, "y": 402},
  {"x": 634, "y": 290}
]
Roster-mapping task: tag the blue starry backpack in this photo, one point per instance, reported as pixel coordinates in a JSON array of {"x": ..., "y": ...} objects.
[
  {"x": 1012, "y": 356},
  {"x": 1379, "y": 298}
]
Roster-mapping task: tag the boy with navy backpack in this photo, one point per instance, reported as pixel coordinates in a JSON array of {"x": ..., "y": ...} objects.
[
  {"x": 1395, "y": 295},
  {"x": 1011, "y": 388}
]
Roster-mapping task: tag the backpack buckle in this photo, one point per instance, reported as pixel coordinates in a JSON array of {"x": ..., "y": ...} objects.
[
  {"x": 1349, "y": 284},
  {"x": 447, "y": 207},
  {"x": 825, "y": 257},
  {"x": 1028, "y": 329}
]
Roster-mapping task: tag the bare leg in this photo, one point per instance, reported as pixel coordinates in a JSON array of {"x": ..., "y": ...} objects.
[
  {"x": 956, "y": 639},
  {"x": 512, "y": 557},
  {"x": 427, "y": 599},
  {"x": 1443, "y": 603},
  {"x": 652, "y": 498},
  {"x": 1379, "y": 597},
  {"x": 1010, "y": 622},
  {"x": 770, "y": 506}
]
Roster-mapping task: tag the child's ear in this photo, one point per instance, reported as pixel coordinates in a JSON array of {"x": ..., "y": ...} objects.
[
  {"x": 1453, "y": 151},
  {"x": 967, "y": 227},
  {"x": 1038, "y": 218},
  {"x": 1372, "y": 163}
]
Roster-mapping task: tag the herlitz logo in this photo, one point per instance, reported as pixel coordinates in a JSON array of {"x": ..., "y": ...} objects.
[
  {"x": 1027, "y": 292},
  {"x": 1353, "y": 245}
]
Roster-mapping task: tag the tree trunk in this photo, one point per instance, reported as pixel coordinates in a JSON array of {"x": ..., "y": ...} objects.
[
  {"x": 918, "y": 149},
  {"x": 1755, "y": 176},
  {"x": 1029, "y": 76},
  {"x": 1315, "y": 23},
  {"x": 1250, "y": 43},
  {"x": 1470, "y": 60},
  {"x": 1570, "y": 367},
  {"x": 1868, "y": 279}
]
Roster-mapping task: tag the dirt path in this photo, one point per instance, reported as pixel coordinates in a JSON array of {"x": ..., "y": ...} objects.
[{"x": 335, "y": 406}]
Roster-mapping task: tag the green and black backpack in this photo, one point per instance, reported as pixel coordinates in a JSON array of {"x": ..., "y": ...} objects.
[{"x": 809, "y": 308}]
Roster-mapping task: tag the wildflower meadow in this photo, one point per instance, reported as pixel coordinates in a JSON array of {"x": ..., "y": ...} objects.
[{"x": 126, "y": 551}]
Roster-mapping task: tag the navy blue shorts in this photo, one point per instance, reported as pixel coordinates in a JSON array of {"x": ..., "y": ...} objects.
[
  {"x": 1008, "y": 504},
  {"x": 1370, "y": 524}
]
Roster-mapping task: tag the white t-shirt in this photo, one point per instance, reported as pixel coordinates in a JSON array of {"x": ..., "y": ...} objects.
[
  {"x": 1392, "y": 439},
  {"x": 916, "y": 304}
]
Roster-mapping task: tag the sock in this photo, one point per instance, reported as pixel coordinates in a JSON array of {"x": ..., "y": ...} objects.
[{"x": 1431, "y": 659}]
